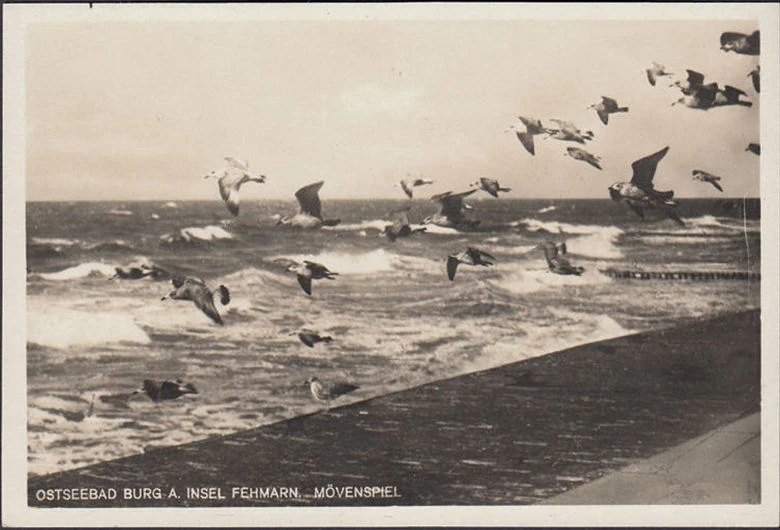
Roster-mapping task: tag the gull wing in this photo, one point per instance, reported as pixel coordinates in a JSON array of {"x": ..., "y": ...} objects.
[
  {"x": 731, "y": 36},
  {"x": 406, "y": 188},
  {"x": 452, "y": 267},
  {"x": 237, "y": 163},
  {"x": 651, "y": 76},
  {"x": 717, "y": 186},
  {"x": 695, "y": 78},
  {"x": 644, "y": 169},
  {"x": 609, "y": 103},
  {"x": 754, "y": 42},
  {"x": 204, "y": 301},
  {"x": 400, "y": 217},
  {"x": 309, "y": 199},
  {"x": 231, "y": 201},
  {"x": 637, "y": 210},
  {"x": 339, "y": 389},
  {"x": 305, "y": 283},
  {"x": 452, "y": 203},
  {"x": 527, "y": 140},
  {"x": 531, "y": 125},
  {"x": 603, "y": 116}
]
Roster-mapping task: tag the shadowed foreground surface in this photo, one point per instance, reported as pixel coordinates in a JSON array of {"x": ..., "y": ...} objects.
[{"x": 517, "y": 434}]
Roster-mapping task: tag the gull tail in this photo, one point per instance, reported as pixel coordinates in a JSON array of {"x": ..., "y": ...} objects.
[
  {"x": 621, "y": 109},
  {"x": 224, "y": 295}
]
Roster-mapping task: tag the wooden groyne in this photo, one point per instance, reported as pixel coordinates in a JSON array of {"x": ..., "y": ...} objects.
[
  {"x": 627, "y": 274},
  {"x": 516, "y": 434}
]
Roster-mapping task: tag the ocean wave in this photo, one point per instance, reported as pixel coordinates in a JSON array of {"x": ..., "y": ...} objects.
[
  {"x": 377, "y": 260},
  {"x": 117, "y": 211},
  {"x": 375, "y": 224},
  {"x": 67, "y": 328},
  {"x": 82, "y": 270},
  {"x": 196, "y": 234},
  {"x": 596, "y": 241},
  {"x": 546, "y": 209},
  {"x": 519, "y": 280},
  {"x": 55, "y": 241}
]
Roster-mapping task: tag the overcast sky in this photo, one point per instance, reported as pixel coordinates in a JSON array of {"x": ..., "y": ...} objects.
[{"x": 143, "y": 110}]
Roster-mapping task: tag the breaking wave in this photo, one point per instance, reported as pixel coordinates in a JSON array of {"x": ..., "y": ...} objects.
[
  {"x": 64, "y": 329},
  {"x": 196, "y": 234}
]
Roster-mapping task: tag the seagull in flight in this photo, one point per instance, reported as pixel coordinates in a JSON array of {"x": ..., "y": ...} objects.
[
  {"x": 533, "y": 127},
  {"x": 451, "y": 211},
  {"x": 327, "y": 392},
  {"x": 164, "y": 390},
  {"x": 655, "y": 71},
  {"x": 581, "y": 154},
  {"x": 568, "y": 132},
  {"x": 196, "y": 290},
  {"x": 400, "y": 225},
  {"x": 639, "y": 194},
  {"x": 740, "y": 43},
  {"x": 755, "y": 76},
  {"x": 556, "y": 262},
  {"x": 703, "y": 176},
  {"x": 231, "y": 179},
  {"x": 490, "y": 185},
  {"x": 754, "y": 148},
  {"x": 709, "y": 96},
  {"x": 310, "y": 270},
  {"x": 310, "y": 338},
  {"x": 310, "y": 212},
  {"x": 470, "y": 256},
  {"x": 606, "y": 107},
  {"x": 408, "y": 185}
]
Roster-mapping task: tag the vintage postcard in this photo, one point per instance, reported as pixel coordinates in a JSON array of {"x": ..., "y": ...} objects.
[{"x": 389, "y": 265}]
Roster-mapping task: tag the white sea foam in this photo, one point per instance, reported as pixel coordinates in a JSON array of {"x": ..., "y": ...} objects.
[
  {"x": 120, "y": 212},
  {"x": 529, "y": 280},
  {"x": 596, "y": 241},
  {"x": 375, "y": 224},
  {"x": 66, "y": 328},
  {"x": 155, "y": 216},
  {"x": 196, "y": 233},
  {"x": 377, "y": 260},
  {"x": 55, "y": 241},
  {"x": 82, "y": 270},
  {"x": 546, "y": 209},
  {"x": 171, "y": 204}
]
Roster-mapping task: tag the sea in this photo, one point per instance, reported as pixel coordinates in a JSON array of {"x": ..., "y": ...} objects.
[{"x": 396, "y": 320}]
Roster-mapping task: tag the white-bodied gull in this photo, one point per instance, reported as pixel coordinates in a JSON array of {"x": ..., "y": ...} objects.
[
  {"x": 196, "y": 290},
  {"x": 703, "y": 176},
  {"x": 231, "y": 179},
  {"x": 581, "y": 154},
  {"x": 310, "y": 212},
  {"x": 471, "y": 256},
  {"x": 606, "y": 107}
]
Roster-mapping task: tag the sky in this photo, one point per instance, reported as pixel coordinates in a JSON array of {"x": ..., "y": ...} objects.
[{"x": 143, "y": 110}]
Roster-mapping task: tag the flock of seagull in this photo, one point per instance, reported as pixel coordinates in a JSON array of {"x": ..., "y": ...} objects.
[{"x": 638, "y": 194}]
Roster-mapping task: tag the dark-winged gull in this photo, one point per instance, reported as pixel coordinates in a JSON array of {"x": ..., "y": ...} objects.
[
  {"x": 310, "y": 213},
  {"x": 533, "y": 127},
  {"x": 703, "y": 176},
  {"x": 568, "y": 132},
  {"x": 231, "y": 179},
  {"x": 470, "y": 256},
  {"x": 328, "y": 392},
  {"x": 708, "y": 96},
  {"x": 754, "y": 148},
  {"x": 556, "y": 262},
  {"x": 400, "y": 226},
  {"x": 308, "y": 271},
  {"x": 451, "y": 211},
  {"x": 740, "y": 43},
  {"x": 581, "y": 154},
  {"x": 196, "y": 290},
  {"x": 162, "y": 390},
  {"x": 755, "y": 76},
  {"x": 310, "y": 338},
  {"x": 692, "y": 83},
  {"x": 490, "y": 185},
  {"x": 408, "y": 185},
  {"x": 606, "y": 107},
  {"x": 655, "y": 71},
  {"x": 137, "y": 272},
  {"x": 639, "y": 194}
]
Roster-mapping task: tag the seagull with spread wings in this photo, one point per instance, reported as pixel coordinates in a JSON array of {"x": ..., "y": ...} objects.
[
  {"x": 606, "y": 107},
  {"x": 451, "y": 210},
  {"x": 490, "y": 185},
  {"x": 471, "y": 256},
  {"x": 703, "y": 176},
  {"x": 655, "y": 71},
  {"x": 740, "y": 43},
  {"x": 640, "y": 195},
  {"x": 230, "y": 180},
  {"x": 581, "y": 154},
  {"x": 196, "y": 291},
  {"x": 308, "y": 271},
  {"x": 568, "y": 132},
  {"x": 164, "y": 390},
  {"x": 533, "y": 127},
  {"x": 310, "y": 212},
  {"x": 400, "y": 226},
  {"x": 408, "y": 185},
  {"x": 556, "y": 262}
]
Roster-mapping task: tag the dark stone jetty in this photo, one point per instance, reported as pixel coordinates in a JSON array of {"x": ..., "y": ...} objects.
[
  {"x": 516, "y": 434},
  {"x": 627, "y": 274}
]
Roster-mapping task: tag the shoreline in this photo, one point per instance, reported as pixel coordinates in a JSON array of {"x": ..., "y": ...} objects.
[{"x": 516, "y": 434}]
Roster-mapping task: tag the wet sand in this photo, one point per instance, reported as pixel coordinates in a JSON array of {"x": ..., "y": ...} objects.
[{"x": 517, "y": 434}]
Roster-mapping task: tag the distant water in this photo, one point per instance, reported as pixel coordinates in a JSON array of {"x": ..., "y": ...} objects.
[{"x": 396, "y": 319}]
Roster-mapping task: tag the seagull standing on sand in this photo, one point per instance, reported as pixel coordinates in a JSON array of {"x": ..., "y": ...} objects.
[
  {"x": 741, "y": 43},
  {"x": 400, "y": 226},
  {"x": 640, "y": 195},
  {"x": 754, "y": 148},
  {"x": 408, "y": 185},
  {"x": 755, "y": 76},
  {"x": 470, "y": 256},
  {"x": 163, "y": 390},
  {"x": 310, "y": 338},
  {"x": 196, "y": 290},
  {"x": 328, "y": 392},
  {"x": 703, "y": 176},
  {"x": 655, "y": 71},
  {"x": 532, "y": 128},
  {"x": 606, "y": 107},
  {"x": 581, "y": 154},
  {"x": 490, "y": 185},
  {"x": 556, "y": 262},
  {"x": 308, "y": 271},
  {"x": 451, "y": 211},
  {"x": 310, "y": 213},
  {"x": 231, "y": 179}
]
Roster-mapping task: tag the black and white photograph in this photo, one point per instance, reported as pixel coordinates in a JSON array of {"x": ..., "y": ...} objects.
[{"x": 390, "y": 264}]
